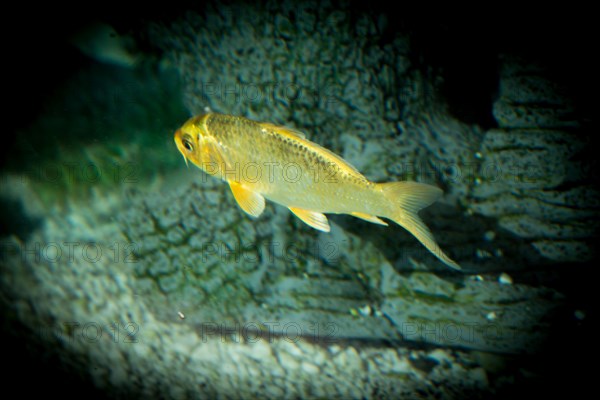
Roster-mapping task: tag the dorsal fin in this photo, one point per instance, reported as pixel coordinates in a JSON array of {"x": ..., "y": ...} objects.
[{"x": 283, "y": 130}]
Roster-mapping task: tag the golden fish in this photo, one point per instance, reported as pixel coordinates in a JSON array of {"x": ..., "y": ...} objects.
[{"x": 261, "y": 160}]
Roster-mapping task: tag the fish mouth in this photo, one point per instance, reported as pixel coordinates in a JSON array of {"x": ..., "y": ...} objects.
[{"x": 178, "y": 143}]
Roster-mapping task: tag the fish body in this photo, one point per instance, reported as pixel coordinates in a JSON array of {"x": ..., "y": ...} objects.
[{"x": 264, "y": 161}]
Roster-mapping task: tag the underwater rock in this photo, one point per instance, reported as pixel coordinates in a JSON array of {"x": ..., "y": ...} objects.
[
  {"x": 229, "y": 269},
  {"x": 533, "y": 173},
  {"x": 277, "y": 305},
  {"x": 528, "y": 98},
  {"x": 271, "y": 306}
]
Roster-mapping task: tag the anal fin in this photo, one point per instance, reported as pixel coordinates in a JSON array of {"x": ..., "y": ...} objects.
[
  {"x": 251, "y": 202},
  {"x": 370, "y": 218},
  {"x": 314, "y": 219}
]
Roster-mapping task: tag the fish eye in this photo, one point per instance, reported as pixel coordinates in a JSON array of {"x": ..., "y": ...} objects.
[{"x": 187, "y": 144}]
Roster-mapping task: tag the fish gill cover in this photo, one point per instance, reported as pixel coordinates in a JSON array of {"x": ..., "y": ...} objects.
[{"x": 137, "y": 276}]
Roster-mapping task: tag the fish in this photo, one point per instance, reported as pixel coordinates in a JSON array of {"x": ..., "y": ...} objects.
[{"x": 261, "y": 160}]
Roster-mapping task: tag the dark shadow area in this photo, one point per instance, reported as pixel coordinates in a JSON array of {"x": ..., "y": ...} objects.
[
  {"x": 14, "y": 220},
  {"x": 561, "y": 366},
  {"x": 34, "y": 365},
  {"x": 464, "y": 50}
]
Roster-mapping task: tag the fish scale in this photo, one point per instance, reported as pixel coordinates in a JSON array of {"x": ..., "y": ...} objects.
[{"x": 279, "y": 157}]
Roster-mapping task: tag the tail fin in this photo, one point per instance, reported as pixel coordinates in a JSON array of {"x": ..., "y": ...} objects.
[{"x": 406, "y": 199}]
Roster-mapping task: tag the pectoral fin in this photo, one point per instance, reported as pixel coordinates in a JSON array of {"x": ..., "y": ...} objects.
[
  {"x": 251, "y": 202},
  {"x": 370, "y": 218},
  {"x": 315, "y": 219}
]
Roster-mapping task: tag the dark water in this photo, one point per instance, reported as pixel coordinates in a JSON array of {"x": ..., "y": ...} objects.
[{"x": 495, "y": 110}]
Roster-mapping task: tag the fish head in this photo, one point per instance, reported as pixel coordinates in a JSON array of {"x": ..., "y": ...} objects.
[
  {"x": 192, "y": 142},
  {"x": 184, "y": 146}
]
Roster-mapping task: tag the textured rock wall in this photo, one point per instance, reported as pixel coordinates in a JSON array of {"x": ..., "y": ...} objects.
[
  {"x": 216, "y": 303},
  {"x": 221, "y": 266},
  {"x": 168, "y": 323},
  {"x": 537, "y": 179}
]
